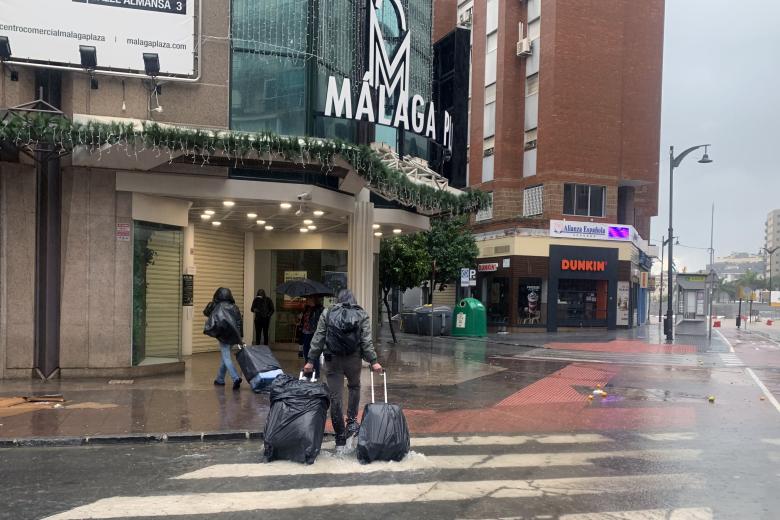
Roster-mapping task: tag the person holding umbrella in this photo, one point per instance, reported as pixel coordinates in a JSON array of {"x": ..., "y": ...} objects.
[{"x": 308, "y": 326}]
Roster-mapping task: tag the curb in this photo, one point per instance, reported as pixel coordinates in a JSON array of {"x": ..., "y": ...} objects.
[{"x": 133, "y": 438}]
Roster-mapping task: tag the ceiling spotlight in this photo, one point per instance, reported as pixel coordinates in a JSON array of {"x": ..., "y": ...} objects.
[
  {"x": 318, "y": 213},
  {"x": 251, "y": 215},
  {"x": 378, "y": 234},
  {"x": 285, "y": 205},
  {"x": 308, "y": 222},
  {"x": 311, "y": 228},
  {"x": 269, "y": 228},
  {"x": 205, "y": 217},
  {"x": 216, "y": 223},
  {"x": 398, "y": 231},
  {"x": 376, "y": 226},
  {"x": 304, "y": 230},
  {"x": 209, "y": 212},
  {"x": 261, "y": 222},
  {"x": 228, "y": 203}
]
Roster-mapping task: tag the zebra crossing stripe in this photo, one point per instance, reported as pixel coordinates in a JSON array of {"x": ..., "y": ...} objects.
[
  {"x": 506, "y": 440},
  {"x": 771, "y": 441},
  {"x": 669, "y": 436},
  {"x": 415, "y": 462},
  {"x": 692, "y": 513},
  {"x": 215, "y": 503}
]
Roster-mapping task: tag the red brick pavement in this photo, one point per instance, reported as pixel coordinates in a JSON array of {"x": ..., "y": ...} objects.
[{"x": 629, "y": 346}]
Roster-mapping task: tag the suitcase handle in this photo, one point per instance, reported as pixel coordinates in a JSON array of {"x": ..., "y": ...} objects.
[
  {"x": 301, "y": 377},
  {"x": 384, "y": 380}
]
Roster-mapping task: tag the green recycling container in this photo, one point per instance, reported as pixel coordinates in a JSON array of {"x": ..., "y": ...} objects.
[{"x": 470, "y": 319}]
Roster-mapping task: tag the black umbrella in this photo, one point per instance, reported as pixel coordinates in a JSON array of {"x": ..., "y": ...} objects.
[{"x": 305, "y": 287}]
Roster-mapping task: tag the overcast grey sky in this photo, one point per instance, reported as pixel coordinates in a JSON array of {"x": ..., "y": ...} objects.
[{"x": 721, "y": 86}]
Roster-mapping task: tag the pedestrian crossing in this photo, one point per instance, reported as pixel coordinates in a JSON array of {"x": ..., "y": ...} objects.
[
  {"x": 706, "y": 359},
  {"x": 502, "y": 472}
]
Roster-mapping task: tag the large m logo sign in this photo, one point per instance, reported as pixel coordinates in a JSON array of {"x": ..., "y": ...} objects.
[{"x": 384, "y": 71}]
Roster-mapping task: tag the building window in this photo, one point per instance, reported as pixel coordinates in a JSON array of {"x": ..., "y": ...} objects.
[
  {"x": 487, "y": 213},
  {"x": 530, "y": 139},
  {"x": 491, "y": 18},
  {"x": 487, "y": 166},
  {"x": 584, "y": 200},
  {"x": 490, "y": 120},
  {"x": 532, "y": 201},
  {"x": 532, "y": 84}
]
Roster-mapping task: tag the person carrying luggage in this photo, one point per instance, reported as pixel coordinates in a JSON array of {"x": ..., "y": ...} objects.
[
  {"x": 225, "y": 324},
  {"x": 263, "y": 309},
  {"x": 344, "y": 335}
]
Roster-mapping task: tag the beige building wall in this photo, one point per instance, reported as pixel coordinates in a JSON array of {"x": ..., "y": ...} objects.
[
  {"x": 97, "y": 273},
  {"x": 17, "y": 269}
]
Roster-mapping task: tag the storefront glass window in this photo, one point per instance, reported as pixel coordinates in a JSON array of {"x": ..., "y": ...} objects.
[
  {"x": 326, "y": 266},
  {"x": 269, "y": 66},
  {"x": 530, "y": 310},
  {"x": 495, "y": 297},
  {"x": 582, "y": 302},
  {"x": 157, "y": 261}
]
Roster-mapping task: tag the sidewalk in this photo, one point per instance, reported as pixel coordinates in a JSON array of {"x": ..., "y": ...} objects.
[{"x": 446, "y": 386}]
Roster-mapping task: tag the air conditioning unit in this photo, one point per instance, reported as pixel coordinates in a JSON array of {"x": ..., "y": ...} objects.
[
  {"x": 530, "y": 145},
  {"x": 524, "y": 47},
  {"x": 465, "y": 18}
]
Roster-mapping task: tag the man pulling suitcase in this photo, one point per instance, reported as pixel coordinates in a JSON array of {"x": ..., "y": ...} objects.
[{"x": 344, "y": 335}]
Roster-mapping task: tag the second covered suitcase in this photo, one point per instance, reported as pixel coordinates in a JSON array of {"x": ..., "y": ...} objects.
[{"x": 384, "y": 434}]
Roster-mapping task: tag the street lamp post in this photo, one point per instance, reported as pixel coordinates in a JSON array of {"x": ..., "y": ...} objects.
[
  {"x": 674, "y": 162},
  {"x": 664, "y": 241},
  {"x": 771, "y": 253}
]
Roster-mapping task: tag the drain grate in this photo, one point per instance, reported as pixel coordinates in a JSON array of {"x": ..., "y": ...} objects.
[{"x": 121, "y": 382}]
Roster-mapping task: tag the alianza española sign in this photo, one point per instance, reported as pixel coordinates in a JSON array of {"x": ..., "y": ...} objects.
[
  {"x": 386, "y": 77},
  {"x": 593, "y": 231},
  {"x": 50, "y": 32}
]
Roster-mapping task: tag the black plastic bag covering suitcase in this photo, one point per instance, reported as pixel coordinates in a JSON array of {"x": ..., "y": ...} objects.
[
  {"x": 296, "y": 421},
  {"x": 384, "y": 434},
  {"x": 255, "y": 359}
]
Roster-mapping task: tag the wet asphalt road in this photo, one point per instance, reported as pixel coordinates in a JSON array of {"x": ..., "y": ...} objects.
[
  {"x": 736, "y": 478},
  {"x": 656, "y": 449}
]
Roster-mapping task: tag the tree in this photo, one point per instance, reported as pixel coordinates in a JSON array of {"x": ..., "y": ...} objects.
[
  {"x": 451, "y": 244},
  {"x": 751, "y": 280},
  {"x": 404, "y": 263}
]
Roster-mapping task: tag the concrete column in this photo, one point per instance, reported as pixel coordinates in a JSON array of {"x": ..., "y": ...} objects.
[
  {"x": 249, "y": 286},
  {"x": 361, "y": 252},
  {"x": 188, "y": 313}
]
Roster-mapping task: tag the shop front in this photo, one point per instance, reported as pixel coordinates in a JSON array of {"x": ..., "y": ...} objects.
[{"x": 582, "y": 290}]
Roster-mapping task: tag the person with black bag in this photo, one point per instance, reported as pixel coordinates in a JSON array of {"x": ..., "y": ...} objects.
[
  {"x": 224, "y": 323},
  {"x": 344, "y": 335},
  {"x": 263, "y": 309}
]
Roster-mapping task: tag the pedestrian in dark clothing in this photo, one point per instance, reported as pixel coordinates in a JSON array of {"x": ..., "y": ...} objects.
[
  {"x": 308, "y": 326},
  {"x": 225, "y": 324},
  {"x": 263, "y": 308},
  {"x": 344, "y": 335}
]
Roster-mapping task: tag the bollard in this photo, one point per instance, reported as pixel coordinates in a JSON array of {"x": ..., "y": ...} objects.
[
  {"x": 716, "y": 324},
  {"x": 769, "y": 322}
]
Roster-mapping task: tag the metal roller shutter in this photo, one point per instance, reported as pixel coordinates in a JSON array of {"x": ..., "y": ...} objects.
[
  {"x": 219, "y": 262},
  {"x": 163, "y": 296}
]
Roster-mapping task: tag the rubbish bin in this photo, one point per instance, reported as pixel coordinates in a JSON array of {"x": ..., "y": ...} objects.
[
  {"x": 470, "y": 319},
  {"x": 409, "y": 322},
  {"x": 442, "y": 318}
]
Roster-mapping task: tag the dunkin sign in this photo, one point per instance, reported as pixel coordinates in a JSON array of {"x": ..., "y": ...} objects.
[{"x": 591, "y": 266}]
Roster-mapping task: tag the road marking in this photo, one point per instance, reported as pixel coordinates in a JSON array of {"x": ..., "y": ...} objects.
[
  {"x": 670, "y": 436},
  {"x": 771, "y": 441},
  {"x": 333, "y": 466},
  {"x": 697, "y": 513},
  {"x": 764, "y": 389},
  {"x": 508, "y": 440},
  {"x": 214, "y": 503},
  {"x": 724, "y": 338}
]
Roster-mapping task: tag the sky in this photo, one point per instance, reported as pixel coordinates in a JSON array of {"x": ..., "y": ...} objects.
[{"x": 721, "y": 87}]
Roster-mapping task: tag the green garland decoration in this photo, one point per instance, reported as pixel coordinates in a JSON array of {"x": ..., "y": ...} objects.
[{"x": 64, "y": 135}]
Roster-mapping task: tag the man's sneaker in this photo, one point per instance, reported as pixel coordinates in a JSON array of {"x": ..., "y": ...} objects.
[
  {"x": 352, "y": 428},
  {"x": 237, "y": 384},
  {"x": 217, "y": 383}
]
